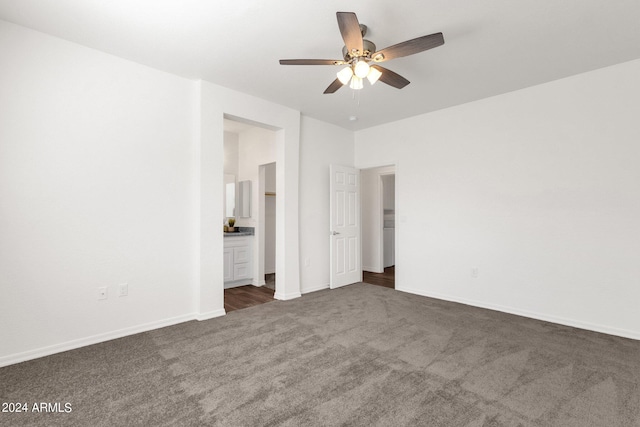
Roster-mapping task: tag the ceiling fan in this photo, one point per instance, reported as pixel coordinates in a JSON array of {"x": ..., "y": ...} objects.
[{"x": 358, "y": 53}]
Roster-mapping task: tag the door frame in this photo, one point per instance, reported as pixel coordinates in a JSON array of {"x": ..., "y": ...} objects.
[
  {"x": 381, "y": 210},
  {"x": 261, "y": 235},
  {"x": 211, "y": 103},
  {"x": 388, "y": 168}
]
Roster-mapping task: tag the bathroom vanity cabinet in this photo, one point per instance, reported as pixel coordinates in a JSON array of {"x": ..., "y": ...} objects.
[{"x": 238, "y": 261}]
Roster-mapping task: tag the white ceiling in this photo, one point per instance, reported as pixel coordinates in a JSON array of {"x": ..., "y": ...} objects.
[{"x": 491, "y": 46}]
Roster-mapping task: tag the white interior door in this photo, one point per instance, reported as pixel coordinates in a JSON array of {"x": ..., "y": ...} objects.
[{"x": 345, "y": 226}]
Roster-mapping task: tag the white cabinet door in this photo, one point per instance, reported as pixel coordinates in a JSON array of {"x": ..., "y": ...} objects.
[
  {"x": 241, "y": 254},
  {"x": 238, "y": 263},
  {"x": 228, "y": 264},
  {"x": 241, "y": 271}
]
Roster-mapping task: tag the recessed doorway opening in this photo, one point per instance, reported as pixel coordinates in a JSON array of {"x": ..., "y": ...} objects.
[
  {"x": 379, "y": 226},
  {"x": 249, "y": 214}
]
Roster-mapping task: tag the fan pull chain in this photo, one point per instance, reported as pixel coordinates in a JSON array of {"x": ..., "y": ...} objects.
[{"x": 355, "y": 95}]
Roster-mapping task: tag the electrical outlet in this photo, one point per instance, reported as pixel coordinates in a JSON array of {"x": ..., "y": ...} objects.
[
  {"x": 307, "y": 261},
  {"x": 102, "y": 293},
  {"x": 474, "y": 272},
  {"x": 123, "y": 289}
]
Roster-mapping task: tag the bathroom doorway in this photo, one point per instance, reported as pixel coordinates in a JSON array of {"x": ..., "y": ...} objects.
[{"x": 249, "y": 157}]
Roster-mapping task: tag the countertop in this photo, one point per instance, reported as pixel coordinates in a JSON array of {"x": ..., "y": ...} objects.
[{"x": 238, "y": 233}]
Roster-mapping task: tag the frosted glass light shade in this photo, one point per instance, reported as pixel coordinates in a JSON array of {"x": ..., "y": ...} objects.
[
  {"x": 344, "y": 75},
  {"x": 361, "y": 69},
  {"x": 356, "y": 83},
  {"x": 373, "y": 75}
]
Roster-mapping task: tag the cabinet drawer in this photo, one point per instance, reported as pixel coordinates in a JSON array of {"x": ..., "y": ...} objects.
[
  {"x": 242, "y": 271},
  {"x": 230, "y": 242},
  {"x": 241, "y": 254}
]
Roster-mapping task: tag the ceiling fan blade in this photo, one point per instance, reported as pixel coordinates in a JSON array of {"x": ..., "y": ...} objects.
[
  {"x": 409, "y": 47},
  {"x": 391, "y": 78},
  {"x": 350, "y": 30},
  {"x": 334, "y": 86},
  {"x": 311, "y": 62}
]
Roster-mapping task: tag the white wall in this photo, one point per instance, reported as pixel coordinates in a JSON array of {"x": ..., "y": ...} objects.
[
  {"x": 370, "y": 204},
  {"x": 321, "y": 144},
  {"x": 112, "y": 172},
  {"x": 389, "y": 192},
  {"x": 231, "y": 150},
  {"x": 230, "y": 174},
  {"x": 537, "y": 189},
  {"x": 95, "y": 190},
  {"x": 257, "y": 146}
]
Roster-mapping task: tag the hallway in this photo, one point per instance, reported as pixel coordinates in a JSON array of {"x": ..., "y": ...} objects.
[{"x": 386, "y": 279}]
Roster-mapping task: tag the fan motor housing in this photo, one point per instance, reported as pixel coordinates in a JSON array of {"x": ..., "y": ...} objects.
[{"x": 369, "y": 48}]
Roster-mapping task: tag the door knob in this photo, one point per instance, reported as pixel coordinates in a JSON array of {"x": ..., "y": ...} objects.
[{"x": 333, "y": 233}]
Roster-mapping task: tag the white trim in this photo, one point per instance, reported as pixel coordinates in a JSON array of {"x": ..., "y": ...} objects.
[
  {"x": 95, "y": 339},
  {"x": 381, "y": 170},
  {"x": 211, "y": 314},
  {"x": 235, "y": 283},
  {"x": 286, "y": 297},
  {"x": 315, "y": 288},
  {"x": 625, "y": 333},
  {"x": 259, "y": 244}
]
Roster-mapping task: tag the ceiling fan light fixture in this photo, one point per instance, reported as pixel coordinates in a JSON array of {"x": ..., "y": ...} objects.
[
  {"x": 359, "y": 52},
  {"x": 356, "y": 83},
  {"x": 344, "y": 75},
  {"x": 373, "y": 75},
  {"x": 361, "y": 69}
]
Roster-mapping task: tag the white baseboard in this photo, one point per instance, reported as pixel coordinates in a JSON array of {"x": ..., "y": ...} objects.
[
  {"x": 530, "y": 314},
  {"x": 259, "y": 283},
  {"x": 371, "y": 270},
  {"x": 306, "y": 290},
  {"x": 211, "y": 314},
  {"x": 286, "y": 297},
  {"x": 94, "y": 339},
  {"x": 236, "y": 283}
]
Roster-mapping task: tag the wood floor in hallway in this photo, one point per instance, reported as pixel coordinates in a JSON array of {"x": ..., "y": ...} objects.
[
  {"x": 249, "y": 295},
  {"x": 386, "y": 279},
  {"x": 246, "y": 296}
]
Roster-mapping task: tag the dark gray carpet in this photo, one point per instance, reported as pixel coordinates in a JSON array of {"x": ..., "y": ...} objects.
[{"x": 360, "y": 355}]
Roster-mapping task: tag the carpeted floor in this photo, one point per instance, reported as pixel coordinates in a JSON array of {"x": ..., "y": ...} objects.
[{"x": 359, "y": 355}]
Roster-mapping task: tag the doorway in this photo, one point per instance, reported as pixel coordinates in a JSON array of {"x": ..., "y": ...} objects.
[
  {"x": 249, "y": 157},
  {"x": 379, "y": 226}
]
